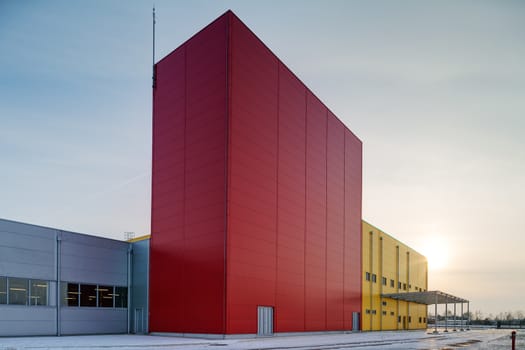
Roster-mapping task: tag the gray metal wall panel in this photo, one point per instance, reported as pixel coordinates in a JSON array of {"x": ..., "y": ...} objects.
[
  {"x": 27, "y": 229},
  {"x": 93, "y": 260},
  {"x": 93, "y": 321},
  {"x": 27, "y": 251},
  {"x": 20, "y": 320},
  {"x": 140, "y": 277}
]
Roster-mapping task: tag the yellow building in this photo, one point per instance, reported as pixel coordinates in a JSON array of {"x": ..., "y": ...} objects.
[{"x": 390, "y": 266}]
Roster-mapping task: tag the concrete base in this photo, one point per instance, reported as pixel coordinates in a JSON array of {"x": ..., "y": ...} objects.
[{"x": 244, "y": 336}]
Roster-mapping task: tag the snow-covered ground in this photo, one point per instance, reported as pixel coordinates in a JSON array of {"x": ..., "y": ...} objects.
[{"x": 474, "y": 339}]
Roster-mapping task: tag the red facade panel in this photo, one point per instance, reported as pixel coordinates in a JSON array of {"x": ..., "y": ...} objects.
[
  {"x": 335, "y": 214},
  {"x": 256, "y": 194},
  {"x": 252, "y": 196},
  {"x": 188, "y": 190},
  {"x": 291, "y": 189},
  {"x": 315, "y": 237},
  {"x": 352, "y": 245}
]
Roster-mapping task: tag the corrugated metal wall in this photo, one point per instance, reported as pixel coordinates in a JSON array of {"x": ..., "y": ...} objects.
[
  {"x": 293, "y": 200},
  {"x": 29, "y": 251},
  {"x": 188, "y": 186},
  {"x": 294, "y": 191}
]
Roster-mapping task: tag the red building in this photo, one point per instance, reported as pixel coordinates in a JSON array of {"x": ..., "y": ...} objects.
[{"x": 256, "y": 197}]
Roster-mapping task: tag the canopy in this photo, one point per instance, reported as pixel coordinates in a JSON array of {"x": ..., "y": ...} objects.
[{"x": 427, "y": 298}]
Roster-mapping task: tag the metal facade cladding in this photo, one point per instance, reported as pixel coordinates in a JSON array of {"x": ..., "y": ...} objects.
[
  {"x": 256, "y": 193},
  {"x": 188, "y": 186}
]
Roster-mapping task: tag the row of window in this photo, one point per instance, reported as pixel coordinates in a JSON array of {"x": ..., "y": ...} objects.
[
  {"x": 23, "y": 291},
  {"x": 372, "y": 277},
  {"x": 373, "y": 312},
  {"x": 94, "y": 295}
]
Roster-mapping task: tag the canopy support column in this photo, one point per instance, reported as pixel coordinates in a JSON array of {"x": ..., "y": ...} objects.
[
  {"x": 446, "y": 316},
  {"x": 454, "y": 329},
  {"x": 462, "y": 318},
  {"x": 435, "y": 315},
  {"x": 468, "y": 315}
]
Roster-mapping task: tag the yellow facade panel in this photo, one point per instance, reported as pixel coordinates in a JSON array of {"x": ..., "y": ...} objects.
[{"x": 390, "y": 266}]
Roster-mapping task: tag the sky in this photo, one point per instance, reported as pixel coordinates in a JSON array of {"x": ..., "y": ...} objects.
[{"x": 434, "y": 89}]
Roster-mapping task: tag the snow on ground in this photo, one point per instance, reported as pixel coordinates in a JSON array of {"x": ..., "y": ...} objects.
[{"x": 492, "y": 339}]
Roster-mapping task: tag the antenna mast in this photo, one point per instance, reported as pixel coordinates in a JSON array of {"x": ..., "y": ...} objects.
[{"x": 153, "y": 56}]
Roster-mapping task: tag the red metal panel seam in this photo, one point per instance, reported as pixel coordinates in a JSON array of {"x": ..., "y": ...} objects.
[
  {"x": 227, "y": 170},
  {"x": 326, "y": 226},
  {"x": 277, "y": 200},
  {"x": 344, "y": 226},
  {"x": 184, "y": 173},
  {"x": 305, "y": 197}
]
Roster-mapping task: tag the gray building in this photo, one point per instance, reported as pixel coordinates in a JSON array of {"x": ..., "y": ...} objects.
[{"x": 55, "y": 282}]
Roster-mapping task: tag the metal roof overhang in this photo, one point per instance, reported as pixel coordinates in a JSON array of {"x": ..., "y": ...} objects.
[{"x": 427, "y": 298}]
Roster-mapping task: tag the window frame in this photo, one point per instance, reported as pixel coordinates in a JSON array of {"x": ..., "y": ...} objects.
[
  {"x": 4, "y": 292},
  {"x": 32, "y": 292},
  {"x": 17, "y": 288}
]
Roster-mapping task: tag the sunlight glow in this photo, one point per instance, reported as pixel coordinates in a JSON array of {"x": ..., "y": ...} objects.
[{"x": 436, "y": 251}]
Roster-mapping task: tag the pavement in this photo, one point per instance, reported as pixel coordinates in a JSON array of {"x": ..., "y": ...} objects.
[{"x": 493, "y": 339}]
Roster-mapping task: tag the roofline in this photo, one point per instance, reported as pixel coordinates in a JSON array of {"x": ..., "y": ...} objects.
[
  {"x": 230, "y": 13},
  {"x": 391, "y": 236},
  {"x": 62, "y": 230},
  {"x": 138, "y": 239}
]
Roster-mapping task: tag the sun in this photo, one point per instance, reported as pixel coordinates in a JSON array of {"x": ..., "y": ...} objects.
[{"x": 436, "y": 250}]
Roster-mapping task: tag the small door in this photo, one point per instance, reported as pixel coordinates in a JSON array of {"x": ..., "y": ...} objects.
[
  {"x": 264, "y": 321},
  {"x": 404, "y": 322},
  {"x": 139, "y": 321},
  {"x": 355, "y": 321}
]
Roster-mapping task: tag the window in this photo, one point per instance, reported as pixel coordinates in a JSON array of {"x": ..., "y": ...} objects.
[
  {"x": 374, "y": 278},
  {"x": 367, "y": 276},
  {"x": 384, "y": 313},
  {"x": 384, "y": 303},
  {"x": 424, "y": 320},
  {"x": 392, "y": 283},
  {"x": 367, "y": 311},
  {"x": 384, "y": 281},
  {"x": 18, "y": 291},
  {"x": 121, "y": 297},
  {"x": 3, "y": 290},
  {"x": 404, "y": 286},
  {"x": 105, "y": 296},
  {"x": 398, "y": 285},
  {"x": 399, "y": 319},
  {"x": 39, "y": 294},
  {"x": 92, "y": 295},
  {"x": 70, "y": 294},
  {"x": 88, "y": 295},
  {"x": 373, "y": 312},
  {"x": 409, "y": 286},
  {"x": 391, "y": 313},
  {"x": 420, "y": 320},
  {"x": 409, "y": 319}
]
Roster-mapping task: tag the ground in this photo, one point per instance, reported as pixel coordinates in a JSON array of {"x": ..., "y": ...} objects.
[{"x": 420, "y": 340}]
